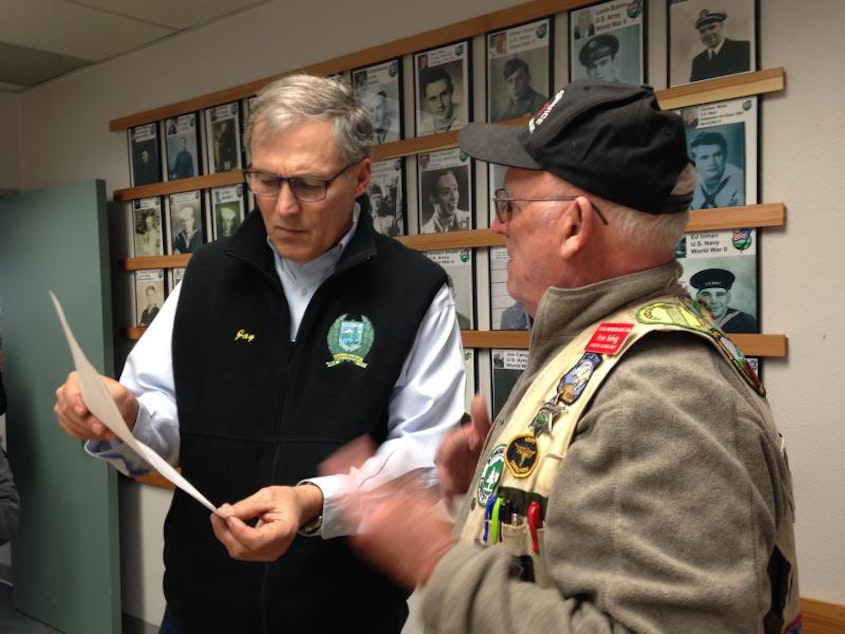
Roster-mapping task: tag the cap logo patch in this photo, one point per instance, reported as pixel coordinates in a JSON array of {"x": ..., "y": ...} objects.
[{"x": 541, "y": 116}]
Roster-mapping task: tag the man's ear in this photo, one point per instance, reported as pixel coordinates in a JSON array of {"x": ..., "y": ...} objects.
[
  {"x": 575, "y": 226},
  {"x": 362, "y": 175}
]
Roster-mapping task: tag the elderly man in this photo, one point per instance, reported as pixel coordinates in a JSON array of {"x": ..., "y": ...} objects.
[
  {"x": 721, "y": 56},
  {"x": 284, "y": 342},
  {"x": 634, "y": 480}
]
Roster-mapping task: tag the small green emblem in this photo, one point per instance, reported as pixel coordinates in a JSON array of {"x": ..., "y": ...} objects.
[
  {"x": 489, "y": 479},
  {"x": 350, "y": 341}
]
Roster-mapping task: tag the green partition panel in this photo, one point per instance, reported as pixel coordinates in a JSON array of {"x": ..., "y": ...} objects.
[{"x": 65, "y": 559}]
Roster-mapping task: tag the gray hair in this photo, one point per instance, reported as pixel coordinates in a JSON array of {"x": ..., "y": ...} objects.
[
  {"x": 299, "y": 98},
  {"x": 655, "y": 232}
]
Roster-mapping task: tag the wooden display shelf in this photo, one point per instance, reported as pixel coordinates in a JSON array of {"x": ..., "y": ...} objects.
[{"x": 765, "y": 215}]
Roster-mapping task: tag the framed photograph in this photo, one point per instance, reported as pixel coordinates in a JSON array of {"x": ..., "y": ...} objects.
[
  {"x": 174, "y": 276},
  {"x": 182, "y": 146},
  {"x": 223, "y": 129},
  {"x": 228, "y": 209},
  {"x": 505, "y": 312},
  {"x": 459, "y": 265},
  {"x": 519, "y": 70},
  {"x": 722, "y": 141},
  {"x": 147, "y": 223},
  {"x": 720, "y": 271},
  {"x": 185, "y": 221},
  {"x": 445, "y": 191},
  {"x": 145, "y": 154},
  {"x": 707, "y": 42},
  {"x": 149, "y": 295},
  {"x": 443, "y": 88},
  {"x": 507, "y": 365},
  {"x": 342, "y": 77},
  {"x": 495, "y": 180},
  {"x": 469, "y": 369},
  {"x": 379, "y": 87},
  {"x": 607, "y": 41},
  {"x": 387, "y": 197}
]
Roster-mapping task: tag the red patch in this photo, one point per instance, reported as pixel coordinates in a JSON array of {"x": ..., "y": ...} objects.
[{"x": 609, "y": 338}]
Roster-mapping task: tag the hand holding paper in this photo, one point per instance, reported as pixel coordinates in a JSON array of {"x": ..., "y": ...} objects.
[{"x": 99, "y": 401}]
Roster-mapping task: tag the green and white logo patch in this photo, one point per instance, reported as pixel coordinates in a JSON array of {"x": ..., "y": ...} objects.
[{"x": 350, "y": 341}]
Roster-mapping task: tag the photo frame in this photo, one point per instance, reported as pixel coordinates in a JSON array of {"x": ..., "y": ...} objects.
[
  {"x": 470, "y": 373},
  {"x": 519, "y": 70},
  {"x": 379, "y": 88},
  {"x": 185, "y": 222},
  {"x": 145, "y": 154},
  {"x": 444, "y": 181},
  {"x": 721, "y": 272},
  {"x": 459, "y": 265},
  {"x": 386, "y": 194},
  {"x": 722, "y": 142},
  {"x": 174, "y": 276},
  {"x": 149, "y": 295},
  {"x": 182, "y": 146},
  {"x": 506, "y": 313},
  {"x": 228, "y": 209},
  {"x": 705, "y": 43},
  {"x": 147, "y": 227},
  {"x": 223, "y": 131},
  {"x": 506, "y": 367},
  {"x": 443, "y": 88},
  {"x": 607, "y": 41}
]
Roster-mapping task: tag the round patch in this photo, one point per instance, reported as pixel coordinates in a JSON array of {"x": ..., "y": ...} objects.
[
  {"x": 521, "y": 455},
  {"x": 491, "y": 474}
]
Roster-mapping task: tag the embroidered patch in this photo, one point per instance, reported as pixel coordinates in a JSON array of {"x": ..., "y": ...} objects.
[
  {"x": 684, "y": 313},
  {"x": 350, "y": 341},
  {"x": 491, "y": 475},
  {"x": 733, "y": 354},
  {"x": 573, "y": 382},
  {"x": 521, "y": 455},
  {"x": 609, "y": 338},
  {"x": 545, "y": 417}
]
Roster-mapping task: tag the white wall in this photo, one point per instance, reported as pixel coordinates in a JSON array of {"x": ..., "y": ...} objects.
[{"x": 65, "y": 138}]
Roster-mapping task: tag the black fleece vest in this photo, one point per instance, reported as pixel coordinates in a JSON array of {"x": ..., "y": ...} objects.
[{"x": 256, "y": 409}]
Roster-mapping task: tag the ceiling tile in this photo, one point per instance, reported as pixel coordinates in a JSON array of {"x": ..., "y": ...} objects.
[
  {"x": 67, "y": 28},
  {"x": 181, "y": 14},
  {"x": 27, "y": 66}
]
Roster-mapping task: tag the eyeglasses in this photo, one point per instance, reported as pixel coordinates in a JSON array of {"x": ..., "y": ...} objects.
[
  {"x": 504, "y": 210},
  {"x": 304, "y": 188}
]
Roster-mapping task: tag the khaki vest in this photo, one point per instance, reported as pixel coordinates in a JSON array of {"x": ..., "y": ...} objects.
[{"x": 523, "y": 463}]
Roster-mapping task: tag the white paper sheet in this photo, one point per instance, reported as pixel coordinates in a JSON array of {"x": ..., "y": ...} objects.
[{"x": 98, "y": 399}]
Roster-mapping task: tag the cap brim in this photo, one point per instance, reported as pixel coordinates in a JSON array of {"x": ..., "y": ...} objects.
[{"x": 497, "y": 144}]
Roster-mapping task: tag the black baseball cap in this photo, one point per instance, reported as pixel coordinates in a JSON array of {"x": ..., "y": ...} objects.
[{"x": 608, "y": 138}]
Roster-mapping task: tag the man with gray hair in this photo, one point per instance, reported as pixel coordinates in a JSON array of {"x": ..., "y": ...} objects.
[
  {"x": 282, "y": 343},
  {"x": 634, "y": 480}
]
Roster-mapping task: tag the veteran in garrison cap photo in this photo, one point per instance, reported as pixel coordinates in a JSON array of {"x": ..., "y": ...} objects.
[
  {"x": 599, "y": 56},
  {"x": 714, "y": 292},
  {"x": 721, "y": 55}
]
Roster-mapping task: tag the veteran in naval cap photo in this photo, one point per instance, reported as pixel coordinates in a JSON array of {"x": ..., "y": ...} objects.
[
  {"x": 721, "y": 55},
  {"x": 714, "y": 292}
]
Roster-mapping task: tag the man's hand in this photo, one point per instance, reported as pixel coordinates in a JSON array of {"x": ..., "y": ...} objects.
[
  {"x": 280, "y": 510},
  {"x": 78, "y": 421},
  {"x": 400, "y": 531},
  {"x": 459, "y": 452}
]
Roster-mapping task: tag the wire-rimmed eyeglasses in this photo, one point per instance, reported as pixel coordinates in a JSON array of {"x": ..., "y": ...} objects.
[
  {"x": 504, "y": 210},
  {"x": 304, "y": 188}
]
